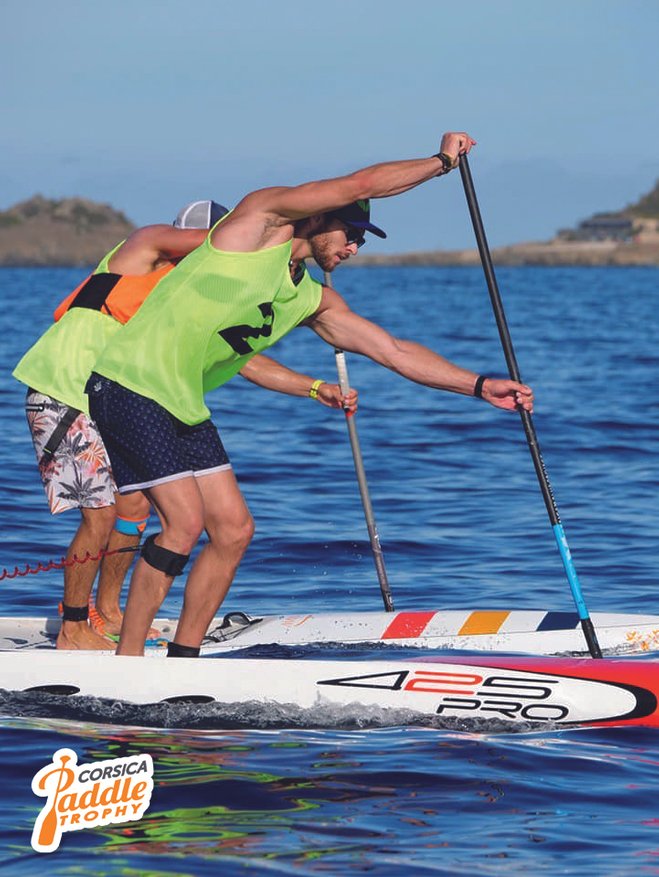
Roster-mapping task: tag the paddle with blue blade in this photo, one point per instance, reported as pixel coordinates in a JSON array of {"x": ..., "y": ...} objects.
[{"x": 529, "y": 429}]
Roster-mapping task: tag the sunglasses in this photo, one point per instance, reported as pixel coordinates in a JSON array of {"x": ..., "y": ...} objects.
[{"x": 355, "y": 235}]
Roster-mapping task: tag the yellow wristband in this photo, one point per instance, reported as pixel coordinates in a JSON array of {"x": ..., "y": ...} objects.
[{"x": 313, "y": 392}]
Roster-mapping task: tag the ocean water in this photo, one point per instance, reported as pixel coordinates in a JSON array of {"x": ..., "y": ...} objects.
[{"x": 462, "y": 524}]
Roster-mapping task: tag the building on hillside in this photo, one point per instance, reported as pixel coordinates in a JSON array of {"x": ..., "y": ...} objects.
[{"x": 601, "y": 227}]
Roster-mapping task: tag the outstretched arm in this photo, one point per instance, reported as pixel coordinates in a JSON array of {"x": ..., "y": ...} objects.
[
  {"x": 272, "y": 375},
  {"x": 342, "y": 327},
  {"x": 263, "y": 218},
  {"x": 378, "y": 181}
]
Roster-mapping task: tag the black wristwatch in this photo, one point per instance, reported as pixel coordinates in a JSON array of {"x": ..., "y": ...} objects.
[{"x": 446, "y": 160}]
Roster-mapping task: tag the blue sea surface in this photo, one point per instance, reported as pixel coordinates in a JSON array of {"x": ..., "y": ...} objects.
[{"x": 462, "y": 525}]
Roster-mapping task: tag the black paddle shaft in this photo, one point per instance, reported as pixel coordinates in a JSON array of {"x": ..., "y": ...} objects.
[
  {"x": 506, "y": 342},
  {"x": 529, "y": 429}
]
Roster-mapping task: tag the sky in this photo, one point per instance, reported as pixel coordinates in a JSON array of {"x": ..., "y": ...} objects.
[{"x": 149, "y": 104}]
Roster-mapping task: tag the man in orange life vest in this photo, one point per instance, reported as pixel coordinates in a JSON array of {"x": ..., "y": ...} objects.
[
  {"x": 72, "y": 460},
  {"x": 233, "y": 297}
]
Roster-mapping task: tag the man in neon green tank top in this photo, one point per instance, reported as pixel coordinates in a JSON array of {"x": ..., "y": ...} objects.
[{"x": 232, "y": 297}]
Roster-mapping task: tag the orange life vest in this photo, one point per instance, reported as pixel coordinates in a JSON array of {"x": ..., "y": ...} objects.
[{"x": 117, "y": 295}]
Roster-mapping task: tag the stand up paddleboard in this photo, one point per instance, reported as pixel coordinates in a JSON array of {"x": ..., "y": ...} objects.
[
  {"x": 514, "y": 689},
  {"x": 511, "y": 690}
]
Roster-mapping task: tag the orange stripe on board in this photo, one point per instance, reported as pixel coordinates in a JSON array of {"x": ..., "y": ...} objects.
[
  {"x": 483, "y": 622},
  {"x": 407, "y": 624}
]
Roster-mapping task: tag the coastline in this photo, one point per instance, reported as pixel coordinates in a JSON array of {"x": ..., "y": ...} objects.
[{"x": 563, "y": 253}]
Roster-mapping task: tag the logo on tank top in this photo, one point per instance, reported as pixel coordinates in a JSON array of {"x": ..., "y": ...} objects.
[{"x": 236, "y": 336}]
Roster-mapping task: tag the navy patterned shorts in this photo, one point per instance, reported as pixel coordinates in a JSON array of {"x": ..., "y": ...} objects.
[{"x": 146, "y": 444}]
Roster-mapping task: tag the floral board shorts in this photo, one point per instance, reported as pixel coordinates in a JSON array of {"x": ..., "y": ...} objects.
[{"x": 78, "y": 474}]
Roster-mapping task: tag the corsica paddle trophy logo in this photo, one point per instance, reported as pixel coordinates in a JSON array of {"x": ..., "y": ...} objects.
[{"x": 88, "y": 795}]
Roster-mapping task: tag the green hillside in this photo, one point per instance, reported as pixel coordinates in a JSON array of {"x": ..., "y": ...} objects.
[{"x": 646, "y": 207}]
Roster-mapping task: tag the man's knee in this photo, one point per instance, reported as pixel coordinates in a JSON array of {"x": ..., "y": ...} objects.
[
  {"x": 188, "y": 534},
  {"x": 133, "y": 506},
  {"x": 172, "y": 563},
  {"x": 245, "y": 532},
  {"x": 182, "y": 536},
  {"x": 249, "y": 530},
  {"x": 233, "y": 535},
  {"x": 98, "y": 522},
  {"x": 132, "y": 513}
]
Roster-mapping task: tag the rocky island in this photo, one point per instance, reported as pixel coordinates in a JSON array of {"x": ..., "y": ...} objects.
[{"x": 72, "y": 232}]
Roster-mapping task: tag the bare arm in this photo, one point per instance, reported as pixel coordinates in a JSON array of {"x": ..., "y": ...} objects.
[
  {"x": 342, "y": 327},
  {"x": 148, "y": 248},
  {"x": 272, "y": 375},
  {"x": 263, "y": 218},
  {"x": 378, "y": 181}
]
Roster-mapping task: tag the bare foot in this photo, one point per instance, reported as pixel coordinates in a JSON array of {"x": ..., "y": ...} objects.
[
  {"x": 79, "y": 635},
  {"x": 110, "y": 625}
]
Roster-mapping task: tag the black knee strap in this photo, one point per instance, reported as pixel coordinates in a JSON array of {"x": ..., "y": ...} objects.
[
  {"x": 175, "y": 650},
  {"x": 169, "y": 562},
  {"x": 74, "y": 613}
]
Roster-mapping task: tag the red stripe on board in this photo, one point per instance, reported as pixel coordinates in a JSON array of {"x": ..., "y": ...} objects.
[{"x": 407, "y": 624}]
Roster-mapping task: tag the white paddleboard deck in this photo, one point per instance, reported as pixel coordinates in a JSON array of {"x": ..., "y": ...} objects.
[{"x": 527, "y": 631}]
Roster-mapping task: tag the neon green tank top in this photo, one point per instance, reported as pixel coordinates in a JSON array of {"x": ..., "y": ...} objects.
[
  {"x": 61, "y": 360},
  {"x": 202, "y": 323}
]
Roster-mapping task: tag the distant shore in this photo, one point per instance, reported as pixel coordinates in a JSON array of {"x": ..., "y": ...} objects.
[{"x": 534, "y": 253}]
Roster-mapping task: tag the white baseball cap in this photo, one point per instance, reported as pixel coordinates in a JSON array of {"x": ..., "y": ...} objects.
[{"x": 200, "y": 214}]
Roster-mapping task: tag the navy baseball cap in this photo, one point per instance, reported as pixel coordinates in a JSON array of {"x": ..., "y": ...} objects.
[
  {"x": 200, "y": 214},
  {"x": 358, "y": 215}
]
